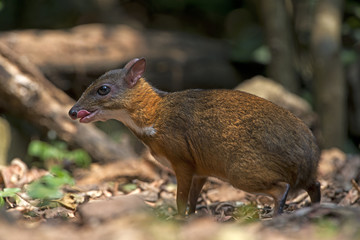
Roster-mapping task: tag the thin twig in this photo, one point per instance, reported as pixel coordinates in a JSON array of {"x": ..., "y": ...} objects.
[{"x": 355, "y": 185}]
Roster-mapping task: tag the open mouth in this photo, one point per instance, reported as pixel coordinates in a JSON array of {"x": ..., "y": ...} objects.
[{"x": 86, "y": 116}]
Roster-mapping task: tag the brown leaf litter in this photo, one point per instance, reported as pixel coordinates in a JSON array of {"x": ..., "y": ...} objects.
[{"x": 130, "y": 199}]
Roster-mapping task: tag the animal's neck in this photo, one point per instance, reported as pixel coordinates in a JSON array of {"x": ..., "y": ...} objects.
[{"x": 142, "y": 109}]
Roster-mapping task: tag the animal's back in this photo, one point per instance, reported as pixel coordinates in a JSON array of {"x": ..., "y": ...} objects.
[{"x": 237, "y": 136}]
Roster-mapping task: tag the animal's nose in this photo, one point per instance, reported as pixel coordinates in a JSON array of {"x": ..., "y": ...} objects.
[{"x": 73, "y": 113}]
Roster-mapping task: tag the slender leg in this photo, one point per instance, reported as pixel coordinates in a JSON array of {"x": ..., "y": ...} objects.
[
  {"x": 283, "y": 200},
  {"x": 196, "y": 186},
  {"x": 279, "y": 192},
  {"x": 184, "y": 177},
  {"x": 314, "y": 192}
]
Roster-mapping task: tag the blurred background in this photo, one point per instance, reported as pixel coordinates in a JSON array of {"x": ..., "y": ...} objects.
[{"x": 301, "y": 54}]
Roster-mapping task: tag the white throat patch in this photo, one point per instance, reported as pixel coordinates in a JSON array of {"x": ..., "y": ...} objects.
[
  {"x": 149, "y": 131},
  {"x": 124, "y": 117}
]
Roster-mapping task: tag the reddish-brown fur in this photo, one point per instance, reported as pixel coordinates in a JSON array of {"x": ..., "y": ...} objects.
[{"x": 248, "y": 141}]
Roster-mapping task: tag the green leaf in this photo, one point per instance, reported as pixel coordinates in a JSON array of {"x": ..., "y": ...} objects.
[
  {"x": 62, "y": 175},
  {"x": 80, "y": 158},
  {"x": 58, "y": 151},
  {"x": 44, "y": 190},
  {"x": 9, "y": 192},
  {"x": 246, "y": 213},
  {"x": 129, "y": 187},
  {"x": 49, "y": 186},
  {"x": 36, "y": 148}
]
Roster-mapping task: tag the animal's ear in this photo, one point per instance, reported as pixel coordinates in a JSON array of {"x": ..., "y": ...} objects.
[{"x": 134, "y": 71}]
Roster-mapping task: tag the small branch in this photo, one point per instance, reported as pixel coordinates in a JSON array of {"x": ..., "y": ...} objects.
[{"x": 355, "y": 185}]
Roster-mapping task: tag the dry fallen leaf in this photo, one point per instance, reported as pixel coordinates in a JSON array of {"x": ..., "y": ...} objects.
[
  {"x": 17, "y": 174},
  {"x": 71, "y": 200}
]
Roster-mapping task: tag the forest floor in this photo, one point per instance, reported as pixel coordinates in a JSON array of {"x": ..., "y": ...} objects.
[{"x": 135, "y": 199}]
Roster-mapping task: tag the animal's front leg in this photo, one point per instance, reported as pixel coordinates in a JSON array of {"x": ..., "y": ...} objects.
[
  {"x": 197, "y": 184},
  {"x": 184, "y": 175}
]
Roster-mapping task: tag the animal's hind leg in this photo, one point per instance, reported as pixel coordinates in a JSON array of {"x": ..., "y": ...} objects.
[
  {"x": 314, "y": 192},
  {"x": 279, "y": 192}
]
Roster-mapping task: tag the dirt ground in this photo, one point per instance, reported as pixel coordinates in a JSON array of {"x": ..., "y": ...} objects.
[{"x": 135, "y": 199}]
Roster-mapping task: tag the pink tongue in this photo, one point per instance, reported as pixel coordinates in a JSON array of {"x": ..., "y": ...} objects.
[{"x": 82, "y": 113}]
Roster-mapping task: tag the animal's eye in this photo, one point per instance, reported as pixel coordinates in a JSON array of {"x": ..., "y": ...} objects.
[{"x": 103, "y": 90}]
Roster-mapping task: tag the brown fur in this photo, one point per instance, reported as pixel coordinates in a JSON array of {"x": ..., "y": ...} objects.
[{"x": 250, "y": 142}]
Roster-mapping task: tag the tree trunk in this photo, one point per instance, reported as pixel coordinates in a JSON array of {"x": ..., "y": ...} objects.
[
  {"x": 303, "y": 18},
  {"x": 278, "y": 33},
  {"x": 27, "y": 93},
  {"x": 328, "y": 72}
]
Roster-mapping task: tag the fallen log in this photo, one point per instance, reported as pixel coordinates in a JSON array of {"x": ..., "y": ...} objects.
[
  {"x": 25, "y": 92},
  {"x": 72, "y": 58}
]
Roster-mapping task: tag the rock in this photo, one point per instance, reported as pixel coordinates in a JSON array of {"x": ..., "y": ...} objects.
[
  {"x": 274, "y": 92},
  {"x": 102, "y": 210}
]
